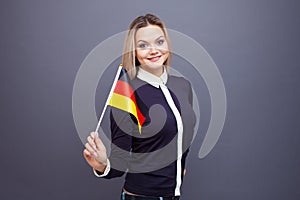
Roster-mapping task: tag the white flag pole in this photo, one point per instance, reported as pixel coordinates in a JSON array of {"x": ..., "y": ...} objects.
[{"x": 109, "y": 96}]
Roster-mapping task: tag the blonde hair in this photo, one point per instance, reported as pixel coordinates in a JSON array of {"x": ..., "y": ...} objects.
[{"x": 129, "y": 59}]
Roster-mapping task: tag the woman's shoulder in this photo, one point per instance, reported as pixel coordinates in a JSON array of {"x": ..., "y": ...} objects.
[
  {"x": 178, "y": 81},
  {"x": 177, "y": 78}
]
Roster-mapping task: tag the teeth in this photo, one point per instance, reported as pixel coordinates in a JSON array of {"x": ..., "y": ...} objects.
[{"x": 154, "y": 58}]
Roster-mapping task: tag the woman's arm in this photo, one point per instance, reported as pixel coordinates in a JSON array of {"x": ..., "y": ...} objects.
[
  {"x": 121, "y": 126},
  {"x": 95, "y": 152}
]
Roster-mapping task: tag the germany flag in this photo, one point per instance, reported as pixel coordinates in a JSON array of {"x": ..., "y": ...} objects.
[{"x": 123, "y": 97}]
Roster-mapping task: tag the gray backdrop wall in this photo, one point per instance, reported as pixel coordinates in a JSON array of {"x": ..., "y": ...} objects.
[{"x": 254, "y": 43}]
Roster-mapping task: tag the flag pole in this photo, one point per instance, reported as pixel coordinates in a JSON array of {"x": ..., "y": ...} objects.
[{"x": 109, "y": 96}]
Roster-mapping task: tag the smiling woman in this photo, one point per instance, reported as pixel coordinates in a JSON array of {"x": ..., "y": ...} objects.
[
  {"x": 146, "y": 57},
  {"x": 147, "y": 38},
  {"x": 151, "y": 49}
]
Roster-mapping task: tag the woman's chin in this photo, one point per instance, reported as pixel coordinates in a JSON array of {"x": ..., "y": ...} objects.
[{"x": 154, "y": 65}]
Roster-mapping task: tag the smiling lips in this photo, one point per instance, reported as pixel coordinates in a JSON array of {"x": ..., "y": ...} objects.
[{"x": 154, "y": 59}]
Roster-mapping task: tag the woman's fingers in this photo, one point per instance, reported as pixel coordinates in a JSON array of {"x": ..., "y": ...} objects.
[
  {"x": 95, "y": 151},
  {"x": 92, "y": 143},
  {"x": 90, "y": 149},
  {"x": 94, "y": 135},
  {"x": 86, "y": 153},
  {"x": 99, "y": 143},
  {"x": 90, "y": 159}
]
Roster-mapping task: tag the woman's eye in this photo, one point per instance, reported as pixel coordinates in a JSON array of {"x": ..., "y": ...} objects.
[
  {"x": 160, "y": 42},
  {"x": 142, "y": 46}
]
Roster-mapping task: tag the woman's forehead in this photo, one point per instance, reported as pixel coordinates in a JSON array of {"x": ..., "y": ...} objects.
[{"x": 148, "y": 33}]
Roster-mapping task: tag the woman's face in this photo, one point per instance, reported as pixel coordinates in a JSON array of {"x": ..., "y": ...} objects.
[{"x": 151, "y": 48}]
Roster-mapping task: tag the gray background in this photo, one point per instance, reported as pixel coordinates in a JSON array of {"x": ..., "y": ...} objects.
[{"x": 254, "y": 43}]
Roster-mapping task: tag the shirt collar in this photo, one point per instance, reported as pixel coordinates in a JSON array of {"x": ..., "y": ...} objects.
[{"x": 151, "y": 78}]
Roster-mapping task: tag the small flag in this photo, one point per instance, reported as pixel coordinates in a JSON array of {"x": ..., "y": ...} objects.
[{"x": 123, "y": 97}]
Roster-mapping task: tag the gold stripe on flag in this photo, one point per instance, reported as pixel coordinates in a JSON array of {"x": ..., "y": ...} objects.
[{"x": 124, "y": 103}]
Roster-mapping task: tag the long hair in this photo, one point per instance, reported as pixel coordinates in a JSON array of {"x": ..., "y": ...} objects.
[{"x": 129, "y": 59}]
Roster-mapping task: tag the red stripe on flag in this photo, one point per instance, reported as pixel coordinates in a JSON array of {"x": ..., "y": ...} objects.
[
  {"x": 123, "y": 88},
  {"x": 140, "y": 116}
]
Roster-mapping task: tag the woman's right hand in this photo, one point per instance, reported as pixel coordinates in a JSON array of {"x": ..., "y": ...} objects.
[{"x": 95, "y": 152}]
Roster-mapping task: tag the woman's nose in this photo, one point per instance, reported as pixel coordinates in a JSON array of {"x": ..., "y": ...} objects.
[{"x": 153, "y": 49}]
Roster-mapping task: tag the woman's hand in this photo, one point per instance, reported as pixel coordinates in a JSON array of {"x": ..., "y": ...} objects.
[{"x": 95, "y": 152}]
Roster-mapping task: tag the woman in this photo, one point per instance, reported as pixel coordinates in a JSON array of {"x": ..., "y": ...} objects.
[{"x": 155, "y": 157}]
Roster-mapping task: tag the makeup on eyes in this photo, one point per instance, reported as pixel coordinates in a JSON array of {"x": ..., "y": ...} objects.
[{"x": 144, "y": 44}]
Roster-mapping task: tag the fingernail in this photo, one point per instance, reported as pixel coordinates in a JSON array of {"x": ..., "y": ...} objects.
[
  {"x": 94, "y": 146},
  {"x": 95, "y": 154}
]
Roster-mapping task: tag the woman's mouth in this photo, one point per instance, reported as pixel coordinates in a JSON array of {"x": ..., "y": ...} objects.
[{"x": 154, "y": 59}]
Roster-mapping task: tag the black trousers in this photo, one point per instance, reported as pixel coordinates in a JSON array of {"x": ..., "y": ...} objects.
[{"x": 126, "y": 196}]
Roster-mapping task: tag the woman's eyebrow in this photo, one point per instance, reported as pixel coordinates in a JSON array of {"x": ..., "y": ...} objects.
[
  {"x": 160, "y": 37},
  {"x": 141, "y": 41},
  {"x": 146, "y": 41}
]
